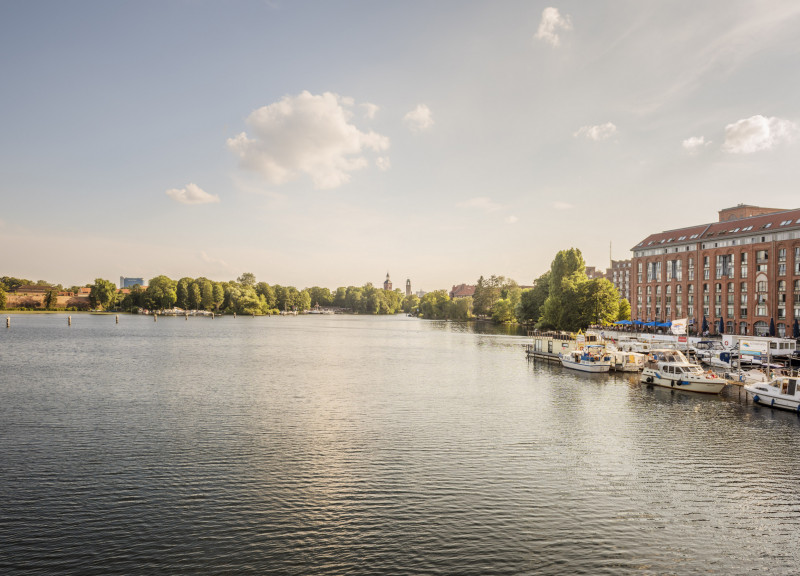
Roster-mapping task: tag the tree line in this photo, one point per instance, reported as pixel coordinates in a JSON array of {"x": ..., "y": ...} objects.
[
  {"x": 563, "y": 298},
  {"x": 242, "y": 296}
]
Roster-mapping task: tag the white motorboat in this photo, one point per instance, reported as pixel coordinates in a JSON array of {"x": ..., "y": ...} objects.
[
  {"x": 622, "y": 361},
  {"x": 591, "y": 358},
  {"x": 670, "y": 369},
  {"x": 782, "y": 392}
]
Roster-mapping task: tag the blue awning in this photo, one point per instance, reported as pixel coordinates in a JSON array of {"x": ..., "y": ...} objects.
[{"x": 623, "y": 322}]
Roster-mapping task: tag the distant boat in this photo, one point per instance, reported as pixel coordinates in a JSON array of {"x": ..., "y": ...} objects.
[
  {"x": 782, "y": 392},
  {"x": 591, "y": 358},
  {"x": 670, "y": 368}
]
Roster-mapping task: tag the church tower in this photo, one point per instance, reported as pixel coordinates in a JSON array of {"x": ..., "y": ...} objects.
[
  {"x": 408, "y": 287},
  {"x": 387, "y": 284}
]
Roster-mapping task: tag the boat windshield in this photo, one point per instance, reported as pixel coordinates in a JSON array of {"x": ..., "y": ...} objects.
[{"x": 672, "y": 356}]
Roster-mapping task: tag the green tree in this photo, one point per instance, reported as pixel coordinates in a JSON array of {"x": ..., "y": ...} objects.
[
  {"x": 2, "y": 298},
  {"x": 247, "y": 279},
  {"x": 433, "y": 305},
  {"x": 206, "y": 294},
  {"x": 219, "y": 295},
  {"x": 182, "y": 293},
  {"x": 161, "y": 293},
  {"x": 193, "y": 302},
  {"x": 410, "y": 303},
  {"x": 503, "y": 311},
  {"x": 599, "y": 302},
  {"x": 561, "y": 310},
  {"x": 103, "y": 293},
  {"x": 268, "y": 292},
  {"x": 529, "y": 309},
  {"x": 624, "y": 310},
  {"x": 51, "y": 299}
]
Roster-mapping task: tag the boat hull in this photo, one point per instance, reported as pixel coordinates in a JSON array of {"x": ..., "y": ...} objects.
[
  {"x": 690, "y": 384},
  {"x": 594, "y": 367},
  {"x": 770, "y": 396}
]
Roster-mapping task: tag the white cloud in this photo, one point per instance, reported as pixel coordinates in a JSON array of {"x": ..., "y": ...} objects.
[
  {"x": 383, "y": 163},
  {"x": 695, "y": 143},
  {"x": 512, "y": 219},
  {"x": 757, "y": 133},
  {"x": 561, "y": 205},
  {"x": 306, "y": 134},
  {"x": 481, "y": 203},
  {"x": 551, "y": 23},
  {"x": 596, "y": 133},
  {"x": 192, "y": 194},
  {"x": 419, "y": 119},
  {"x": 209, "y": 260},
  {"x": 370, "y": 110}
]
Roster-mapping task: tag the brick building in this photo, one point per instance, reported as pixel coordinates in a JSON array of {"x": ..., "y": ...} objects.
[
  {"x": 620, "y": 276},
  {"x": 743, "y": 270}
]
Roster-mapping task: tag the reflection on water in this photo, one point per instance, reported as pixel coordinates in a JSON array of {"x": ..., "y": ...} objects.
[{"x": 362, "y": 445}]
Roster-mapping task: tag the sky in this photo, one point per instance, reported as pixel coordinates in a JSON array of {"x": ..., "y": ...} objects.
[{"x": 326, "y": 143}]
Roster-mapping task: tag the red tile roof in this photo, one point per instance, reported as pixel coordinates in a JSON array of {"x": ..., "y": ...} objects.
[{"x": 777, "y": 221}]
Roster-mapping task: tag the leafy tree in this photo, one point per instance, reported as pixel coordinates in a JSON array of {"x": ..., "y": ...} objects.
[
  {"x": 182, "y": 293},
  {"x": 321, "y": 296},
  {"x": 51, "y": 299},
  {"x": 503, "y": 311},
  {"x": 247, "y": 279},
  {"x": 268, "y": 292},
  {"x": 161, "y": 293},
  {"x": 433, "y": 305},
  {"x": 193, "y": 301},
  {"x": 340, "y": 298},
  {"x": 2, "y": 298},
  {"x": 599, "y": 302},
  {"x": 103, "y": 293},
  {"x": 624, "y": 310},
  {"x": 206, "y": 294},
  {"x": 219, "y": 295},
  {"x": 529, "y": 309},
  {"x": 9, "y": 283},
  {"x": 561, "y": 310},
  {"x": 410, "y": 303},
  {"x": 460, "y": 309}
]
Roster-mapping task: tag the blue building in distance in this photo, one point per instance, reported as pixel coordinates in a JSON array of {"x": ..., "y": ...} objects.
[{"x": 130, "y": 282}]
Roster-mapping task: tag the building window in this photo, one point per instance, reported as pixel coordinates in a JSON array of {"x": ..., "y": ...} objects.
[
  {"x": 782, "y": 269},
  {"x": 761, "y": 286},
  {"x": 743, "y": 287},
  {"x": 782, "y": 255},
  {"x": 797, "y": 261},
  {"x": 761, "y": 310}
]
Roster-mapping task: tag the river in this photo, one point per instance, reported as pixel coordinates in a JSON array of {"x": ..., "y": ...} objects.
[{"x": 370, "y": 445}]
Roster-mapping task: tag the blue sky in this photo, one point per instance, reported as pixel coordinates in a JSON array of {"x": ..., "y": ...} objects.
[{"x": 326, "y": 143}]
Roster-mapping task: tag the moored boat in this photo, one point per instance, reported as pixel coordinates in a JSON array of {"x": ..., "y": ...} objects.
[
  {"x": 782, "y": 392},
  {"x": 622, "y": 361},
  {"x": 592, "y": 358},
  {"x": 670, "y": 369}
]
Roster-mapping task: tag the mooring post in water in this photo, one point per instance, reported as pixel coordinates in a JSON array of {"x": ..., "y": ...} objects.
[
  {"x": 155, "y": 317},
  {"x": 69, "y": 320},
  {"x": 187, "y": 316},
  {"x": 8, "y": 321},
  {"x": 212, "y": 315},
  {"x": 234, "y": 315},
  {"x": 117, "y": 318}
]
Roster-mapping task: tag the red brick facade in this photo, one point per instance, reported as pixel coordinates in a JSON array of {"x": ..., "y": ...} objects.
[{"x": 744, "y": 271}]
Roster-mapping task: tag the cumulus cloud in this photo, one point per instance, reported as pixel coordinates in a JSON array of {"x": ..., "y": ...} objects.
[
  {"x": 383, "y": 163},
  {"x": 757, "y": 133},
  {"x": 191, "y": 194},
  {"x": 419, "y": 119},
  {"x": 307, "y": 134},
  {"x": 596, "y": 133},
  {"x": 209, "y": 260},
  {"x": 481, "y": 203},
  {"x": 695, "y": 143},
  {"x": 561, "y": 205},
  {"x": 370, "y": 110},
  {"x": 552, "y": 22}
]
